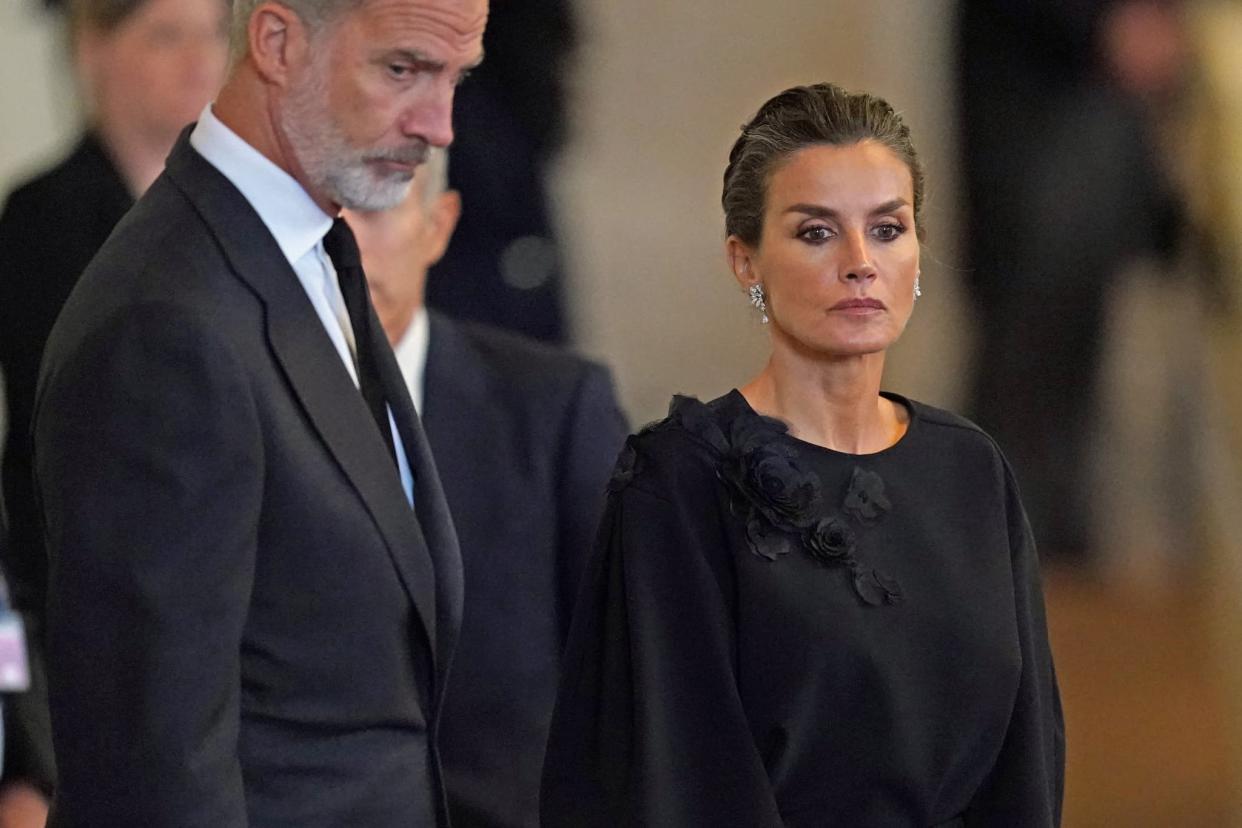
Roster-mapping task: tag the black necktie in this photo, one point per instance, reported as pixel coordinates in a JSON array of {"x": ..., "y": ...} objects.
[{"x": 340, "y": 246}]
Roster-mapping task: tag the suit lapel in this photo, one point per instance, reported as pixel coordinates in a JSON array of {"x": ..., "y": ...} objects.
[
  {"x": 429, "y": 503},
  {"x": 314, "y": 371}
]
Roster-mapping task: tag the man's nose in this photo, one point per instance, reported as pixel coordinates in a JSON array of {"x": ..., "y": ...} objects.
[{"x": 432, "y": 118}]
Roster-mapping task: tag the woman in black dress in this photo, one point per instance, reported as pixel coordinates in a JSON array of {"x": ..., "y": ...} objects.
[{"x": 814, "y": 603}]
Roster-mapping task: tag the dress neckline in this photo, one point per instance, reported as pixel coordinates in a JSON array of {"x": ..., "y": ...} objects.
[{"x": 738, "y": 400}]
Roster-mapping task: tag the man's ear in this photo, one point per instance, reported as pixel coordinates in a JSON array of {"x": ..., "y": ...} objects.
[
  {"x": 441, "y": 222},
  {"x": 278, "y": 40},
  {"x": 741, "y": 261}
]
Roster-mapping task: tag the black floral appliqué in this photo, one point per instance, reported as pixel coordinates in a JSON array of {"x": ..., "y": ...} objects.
[
  {"x": 781, "y": 504},
  {"x": 865, "y": 498},
  {"x": 876, "y": 588},
  {"x": 770, "y": 478},
  {"x": 831, "y": 541}
]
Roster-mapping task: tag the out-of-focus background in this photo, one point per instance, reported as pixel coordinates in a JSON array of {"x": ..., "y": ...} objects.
[{"x": 1080, "y": 282}]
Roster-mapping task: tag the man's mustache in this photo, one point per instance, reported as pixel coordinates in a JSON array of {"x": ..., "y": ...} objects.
[{"x": 413, "y": 155}]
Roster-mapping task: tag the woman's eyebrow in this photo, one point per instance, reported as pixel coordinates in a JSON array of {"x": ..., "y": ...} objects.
[{"x": 820, "y": 211}]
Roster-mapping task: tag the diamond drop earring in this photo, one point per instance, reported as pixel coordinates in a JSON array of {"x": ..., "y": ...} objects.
[
  {"x": 918, "y": 291},
  {"x": 759, "y": 301}
]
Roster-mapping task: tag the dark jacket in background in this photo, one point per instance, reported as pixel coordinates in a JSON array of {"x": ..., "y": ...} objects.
[
  {"x": 50, "y": 229},
  {"x": 525, "y": 437},
  {"x": 503, "y": 265}
]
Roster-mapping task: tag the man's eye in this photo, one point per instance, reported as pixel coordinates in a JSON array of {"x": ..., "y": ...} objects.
[{"x": 400, "y": 70}]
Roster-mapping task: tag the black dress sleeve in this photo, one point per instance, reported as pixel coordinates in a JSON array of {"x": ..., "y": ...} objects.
[
  {"x": 594, "y": 431},
  {"x": 649, "y": 727},
  {"x": 1027, "y": 782}
]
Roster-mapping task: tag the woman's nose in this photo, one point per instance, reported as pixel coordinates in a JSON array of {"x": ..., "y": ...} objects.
[{"x": 856, "y": 263}]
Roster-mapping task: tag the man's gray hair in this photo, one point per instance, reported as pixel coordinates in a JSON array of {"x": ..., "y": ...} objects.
[{"x": 314, "y": 14}]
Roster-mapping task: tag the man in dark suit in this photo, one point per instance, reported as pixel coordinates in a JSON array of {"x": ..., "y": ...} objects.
[
  {"x": 525, "y": 436},
  {"x": 255, "y": 586}
]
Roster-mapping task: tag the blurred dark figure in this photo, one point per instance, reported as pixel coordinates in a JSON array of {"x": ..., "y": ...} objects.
[
  {"x": 503, "y": 266},
  {"x": 1064, "y": 187},
  {"x": 146, "y": 68}
]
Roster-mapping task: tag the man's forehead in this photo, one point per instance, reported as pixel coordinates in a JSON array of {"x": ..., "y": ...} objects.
[{"x": 462, "y": 20}]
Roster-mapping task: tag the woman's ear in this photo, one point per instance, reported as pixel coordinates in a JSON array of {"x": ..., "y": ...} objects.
[{"x": 741, "y": 261}]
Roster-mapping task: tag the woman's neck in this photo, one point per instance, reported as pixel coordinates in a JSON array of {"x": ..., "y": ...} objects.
[{"x": 831, "y": 402}]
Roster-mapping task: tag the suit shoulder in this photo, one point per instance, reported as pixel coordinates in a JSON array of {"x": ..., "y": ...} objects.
[
  {"x": 527, "y": 366},
  {"x": 161, "y": 255},
  {"x": 162, "y": 234}
]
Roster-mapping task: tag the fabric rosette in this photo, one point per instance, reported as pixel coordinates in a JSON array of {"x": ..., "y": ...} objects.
[
  {"x": 831, "y": 541},
  {"x": 865, "y": 499}
]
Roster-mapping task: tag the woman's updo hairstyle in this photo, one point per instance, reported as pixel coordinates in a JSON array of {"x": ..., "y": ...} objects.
[{"x": 801, "y": 117}]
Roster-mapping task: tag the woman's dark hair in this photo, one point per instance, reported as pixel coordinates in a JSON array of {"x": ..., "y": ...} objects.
[{"x": 801, "y": 117}]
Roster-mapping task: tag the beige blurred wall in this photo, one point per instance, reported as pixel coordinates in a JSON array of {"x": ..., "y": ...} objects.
[
  {"x": 37, "y": 108},
  {"x": 38, "y": 114},
  {"x": 660, "y": 91}
]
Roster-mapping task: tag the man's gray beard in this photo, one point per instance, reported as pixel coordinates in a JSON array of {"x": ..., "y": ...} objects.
[{"x": 331, "y": 166}]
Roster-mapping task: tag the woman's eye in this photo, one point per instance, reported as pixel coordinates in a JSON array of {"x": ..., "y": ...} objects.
[
  {"x": 818, "y": 233},
  {"x": 888, "y": 232}
]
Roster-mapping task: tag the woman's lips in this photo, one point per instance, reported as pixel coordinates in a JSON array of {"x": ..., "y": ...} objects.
[{"x": 859, "y": 306}]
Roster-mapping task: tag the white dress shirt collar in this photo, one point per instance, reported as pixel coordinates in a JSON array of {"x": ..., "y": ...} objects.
[
  {"x": 411, "y": 352},
  {"x": 293, "y": 218},
  {"x": 298, "y": 225}
]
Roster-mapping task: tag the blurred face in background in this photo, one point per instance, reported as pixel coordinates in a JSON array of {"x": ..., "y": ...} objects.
[{"x": 155, "y": 69}]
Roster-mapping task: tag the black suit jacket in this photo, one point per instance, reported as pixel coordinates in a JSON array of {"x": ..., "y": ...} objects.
[
  {"x": 525, "y": 437},
  {"x": 247, "y": 622}
]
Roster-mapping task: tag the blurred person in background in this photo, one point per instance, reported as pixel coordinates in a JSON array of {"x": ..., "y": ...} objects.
[
  {"x": 1065, "y": 188},
  {"x": 504, "y": 265},
  {"x": 145, "y": 69},
  {"x": 813, "y": 602},
  {"x": 524, "y": 436}
]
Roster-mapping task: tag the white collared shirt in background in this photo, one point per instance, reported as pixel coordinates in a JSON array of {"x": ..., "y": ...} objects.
[{"x": 411, "y": 351}]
